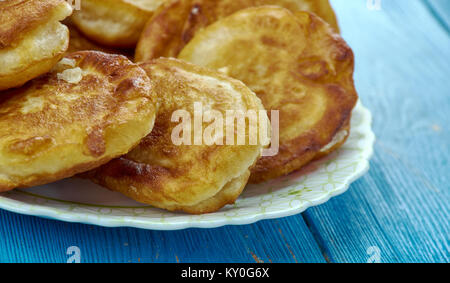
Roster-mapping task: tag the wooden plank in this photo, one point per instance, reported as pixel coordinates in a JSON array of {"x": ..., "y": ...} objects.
[
  {"x": 401, "y": 208},
  {"x": 440, "y": 11},
  {"x": 31, "y": 239}
]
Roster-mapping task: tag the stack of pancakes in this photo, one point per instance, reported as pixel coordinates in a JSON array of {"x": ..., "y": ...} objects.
[{"x": 73, "y": 102}]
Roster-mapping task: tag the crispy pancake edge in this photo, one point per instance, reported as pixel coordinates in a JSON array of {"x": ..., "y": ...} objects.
[
  {"x": 338, "y": 89},
  {"x": 146, "y": 182},
  {"x": 176, "y": 22},
  {"x": 346, "y": 97},
  {"x": 17, "y": 17},
  {"x": 102, "y": 148},
  {"x": 21, "y": 21}
]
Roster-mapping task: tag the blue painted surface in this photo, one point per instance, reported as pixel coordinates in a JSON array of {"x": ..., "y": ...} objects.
[{"x": 398, "y": 212}]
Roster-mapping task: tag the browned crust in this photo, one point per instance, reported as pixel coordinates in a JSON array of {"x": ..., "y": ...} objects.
[
  {"x": 337, "y": 86},
  {"x": 17, "y": 17},
  {"x": 114, "y": 66},
  {"x": 161, "y": 34},
  {"x": 297, "y": 153},
  {"x": 298, "y": 159},
  {"x": 191, "y": 177},
  {"x": 346, "y": 128},
  {"x": 122, "y": 175},
  {"x": 175, "y": 23},
  {"x": 317, "y": 75},
  {"x": 342, "y": 98},
  {"x": 123, "y": 81}
]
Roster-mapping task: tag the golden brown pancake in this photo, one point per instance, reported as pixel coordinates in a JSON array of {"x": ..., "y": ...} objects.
[
  {"x": 92, "y": 107},
  {"x": 114, "y": 23},
  {"x": 176, "y": 22},
  {"x": 296, "y": 64},
  {"x": 32, "y": 39},
  {"x": 79, "y": 42},
  {"x": 193, "y": 178},
  {"x": 338, "y": 140}
]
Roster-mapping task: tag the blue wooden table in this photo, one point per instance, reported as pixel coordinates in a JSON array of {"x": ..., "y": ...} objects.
[{"x": 398, "y": 212}]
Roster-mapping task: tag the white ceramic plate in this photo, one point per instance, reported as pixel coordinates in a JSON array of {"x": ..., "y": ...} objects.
[{"x": 76, "y": 200}]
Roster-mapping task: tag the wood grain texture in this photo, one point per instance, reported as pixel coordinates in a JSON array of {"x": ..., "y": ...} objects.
[
  {"x": 31, "y": 239},
  {"x": 400, "y": 207},
  {"x": 439, "y": 10}
]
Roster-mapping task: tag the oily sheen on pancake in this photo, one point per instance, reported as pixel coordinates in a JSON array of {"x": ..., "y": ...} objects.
[
  {"x": 193, "y": 178},
  {"x": 114, "y": 23},
  {"x": 296, "y": 64},
  {"x": 32, "y": 39},
  {"x": 177, "y": 21},
  {"x": 92, "y": 107}
]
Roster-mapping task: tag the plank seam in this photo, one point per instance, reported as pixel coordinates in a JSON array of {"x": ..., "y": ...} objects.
[
  {"x": 437, "y": 16},
  {"x": 317, "y": 238}
]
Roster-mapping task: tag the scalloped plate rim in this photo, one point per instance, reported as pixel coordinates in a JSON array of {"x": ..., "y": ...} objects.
[{"x": 111, "y": 221}]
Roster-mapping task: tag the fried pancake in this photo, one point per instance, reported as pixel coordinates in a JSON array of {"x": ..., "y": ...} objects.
[
  {"x": 92, "y": 107},
  {"x": 176, "y": 22},
  {"x": 193, "y": 178},
  {"x": 32, "y": 39},
  {"x": 296, "y": 64},
  {"x": 79, "y": 42},
  {"x": 338, "y": 140},
  {"x": 114, "y": 23}
]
